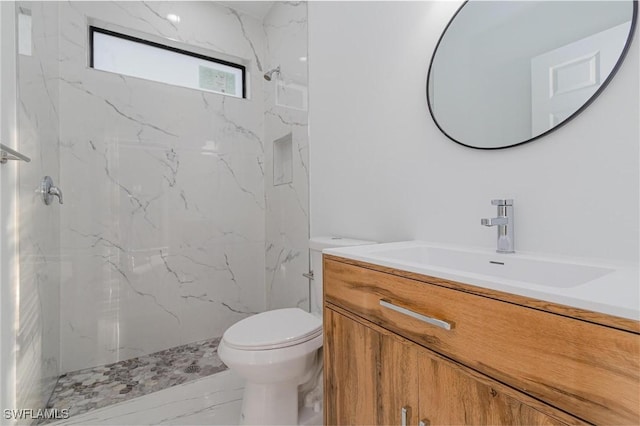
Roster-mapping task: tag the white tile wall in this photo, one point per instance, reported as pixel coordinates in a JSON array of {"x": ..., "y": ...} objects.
[
  {"x": 287, "y": 214},
  {"x": 172, "y": 229},
  {"x": 163, "y": 231}
]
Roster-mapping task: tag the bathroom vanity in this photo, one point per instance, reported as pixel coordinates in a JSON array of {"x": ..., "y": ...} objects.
[{"x": 408, "y": 348}]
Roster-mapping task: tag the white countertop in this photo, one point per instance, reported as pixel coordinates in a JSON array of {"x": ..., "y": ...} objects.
[{"x": 616, "y": 292}]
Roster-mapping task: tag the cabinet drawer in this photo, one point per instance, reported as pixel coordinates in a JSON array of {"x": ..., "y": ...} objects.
[{"x": 589, "y": 370}]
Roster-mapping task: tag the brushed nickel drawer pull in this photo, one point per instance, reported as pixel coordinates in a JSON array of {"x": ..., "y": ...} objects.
[
  {"x": 403, "y": 416},
  {"x": 432, "y": 321}
]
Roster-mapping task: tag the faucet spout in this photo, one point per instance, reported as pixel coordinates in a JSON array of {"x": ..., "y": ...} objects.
[{"x": 496, "y": 221}]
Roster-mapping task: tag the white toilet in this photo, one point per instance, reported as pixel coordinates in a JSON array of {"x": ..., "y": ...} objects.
[{"x": 277, "y": 352}]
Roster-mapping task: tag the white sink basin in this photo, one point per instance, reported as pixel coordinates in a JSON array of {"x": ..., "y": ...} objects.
[
  {"x": 510, "y": 267},
  {"x": 602, "y": 287}
]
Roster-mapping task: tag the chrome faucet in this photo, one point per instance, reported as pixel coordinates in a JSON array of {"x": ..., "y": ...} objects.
[{"x": 504, "y": 223}]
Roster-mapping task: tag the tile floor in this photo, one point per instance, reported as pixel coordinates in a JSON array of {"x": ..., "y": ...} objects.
[
  {"x": 212, "y": 400},
  {"x": 186, "y": 385},
  {"x": 93, "y": 388}
]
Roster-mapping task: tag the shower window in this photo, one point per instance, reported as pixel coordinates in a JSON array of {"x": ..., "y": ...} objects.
[{"x": 133, "y": 56}]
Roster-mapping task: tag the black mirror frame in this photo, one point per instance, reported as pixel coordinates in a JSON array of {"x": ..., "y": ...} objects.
[{"x": 593, "y": 97}]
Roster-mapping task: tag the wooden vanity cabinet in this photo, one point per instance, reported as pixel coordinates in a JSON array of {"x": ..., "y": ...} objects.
[
  {"x": 369, "y": 376},
  {"x": 373, "y": 377},
  {"x": 454, "y": 395},
  {"x": 379, "y": 360}
]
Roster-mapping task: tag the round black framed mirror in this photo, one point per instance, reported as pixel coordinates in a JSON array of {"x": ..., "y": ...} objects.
[{"x": 509, "y": 72}]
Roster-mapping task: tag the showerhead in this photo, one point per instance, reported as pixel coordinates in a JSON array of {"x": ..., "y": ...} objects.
[{"x": 268, "y": 74}]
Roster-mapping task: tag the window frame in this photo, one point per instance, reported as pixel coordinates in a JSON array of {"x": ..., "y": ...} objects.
[{"x": 95, "y": 29}]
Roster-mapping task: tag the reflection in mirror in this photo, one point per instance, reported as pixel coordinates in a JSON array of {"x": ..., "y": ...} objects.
[{"x": 505, "y": 73}]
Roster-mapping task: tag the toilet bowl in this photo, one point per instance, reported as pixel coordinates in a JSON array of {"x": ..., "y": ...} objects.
[
  {"x": 277, "y": 351},
  {"x": 273, "y": 351}
]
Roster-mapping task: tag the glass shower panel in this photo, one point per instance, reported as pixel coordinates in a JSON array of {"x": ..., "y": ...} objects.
[{"x": 37, "y": 360}]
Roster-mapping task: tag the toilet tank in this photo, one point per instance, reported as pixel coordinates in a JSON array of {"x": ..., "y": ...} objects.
[{"x": 316, "y": 245}]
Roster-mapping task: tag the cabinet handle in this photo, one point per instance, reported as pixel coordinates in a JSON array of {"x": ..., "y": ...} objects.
[
  {"x": 424, "y": 422},
  {"x": 405, "y": 311},
  {"x": 403, "y": 416}
]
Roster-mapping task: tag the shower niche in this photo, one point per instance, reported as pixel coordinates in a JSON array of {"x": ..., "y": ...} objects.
[{"x": 283, "y": 160}]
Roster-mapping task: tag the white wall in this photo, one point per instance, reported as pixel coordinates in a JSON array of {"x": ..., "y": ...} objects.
[{"x": 381, "y": 170}]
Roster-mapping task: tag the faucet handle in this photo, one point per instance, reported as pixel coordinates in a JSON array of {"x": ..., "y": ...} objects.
[
  {"x": 502, "y": 202},
  {"x": 48, "y": 190}
]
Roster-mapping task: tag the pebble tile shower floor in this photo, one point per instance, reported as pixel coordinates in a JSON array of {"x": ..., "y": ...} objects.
[{"x": 91, "y": 388}]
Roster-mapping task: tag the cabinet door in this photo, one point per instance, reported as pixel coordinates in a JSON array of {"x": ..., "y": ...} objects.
[
  {"x": 452, "y": 394},
  {"x": 398, "y": 382},
  {"x": 351, "y": 353},
  {"x": 369, "y": 375}
]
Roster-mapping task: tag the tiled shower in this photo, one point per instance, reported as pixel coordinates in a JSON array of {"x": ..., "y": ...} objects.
[{"x": 176, "y": 220}]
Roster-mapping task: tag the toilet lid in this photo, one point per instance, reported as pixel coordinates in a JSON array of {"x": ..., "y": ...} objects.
[{"x": 273, "y": 329}]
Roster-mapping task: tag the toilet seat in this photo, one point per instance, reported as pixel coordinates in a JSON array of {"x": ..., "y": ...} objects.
[{"x": 274, "y": 329}]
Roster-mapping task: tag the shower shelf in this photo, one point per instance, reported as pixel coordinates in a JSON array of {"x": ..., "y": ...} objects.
[{"x": 7, "y": 154}]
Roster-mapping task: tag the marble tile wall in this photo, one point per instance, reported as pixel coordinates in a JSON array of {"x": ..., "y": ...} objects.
[
  {"x": 37, "y": 357},
  {"x": 163, "y": 226},
  {"x": 287, "y": 204}
]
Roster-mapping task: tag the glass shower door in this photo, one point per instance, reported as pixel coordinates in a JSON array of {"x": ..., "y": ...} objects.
[
  {"x": 8, "y": 190},
  {"x": 30, "y": 228}
]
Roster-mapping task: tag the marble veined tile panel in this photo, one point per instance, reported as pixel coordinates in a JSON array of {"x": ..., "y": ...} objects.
[
  {"x": 163, "y": 238},
  {"x": 287, "y": 205}
]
